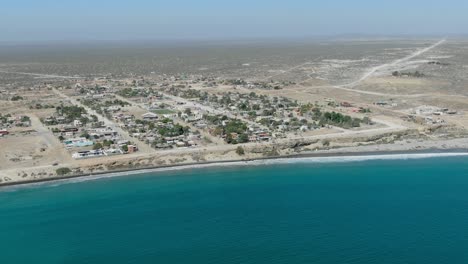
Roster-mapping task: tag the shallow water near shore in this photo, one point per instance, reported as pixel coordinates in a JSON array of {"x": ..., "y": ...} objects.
[{"x": 372, "y": 211}]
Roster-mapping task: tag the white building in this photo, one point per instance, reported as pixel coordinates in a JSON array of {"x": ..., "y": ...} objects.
[
  {"x": 149, "y": 116},
  {"x": 77, "y": 123}
]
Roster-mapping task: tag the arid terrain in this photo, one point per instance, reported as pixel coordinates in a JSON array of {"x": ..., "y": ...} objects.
[{"x": 80, "y": 109}]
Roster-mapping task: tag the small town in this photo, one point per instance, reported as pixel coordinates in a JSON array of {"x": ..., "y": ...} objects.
[
  {"x": 234, "y": 132},
  {"x": 103, "y": 117},
  {"x": 99, "y": 118}
]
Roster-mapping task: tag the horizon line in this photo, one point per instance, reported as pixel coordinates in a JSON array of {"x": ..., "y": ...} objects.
[{"x": 330, "y": 37}]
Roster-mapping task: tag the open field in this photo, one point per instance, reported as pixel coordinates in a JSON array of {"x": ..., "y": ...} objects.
[{"x": 110, "y": 106}]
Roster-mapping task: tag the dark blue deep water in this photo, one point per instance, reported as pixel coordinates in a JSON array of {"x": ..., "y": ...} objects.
[{"x": 394, "y": 211}]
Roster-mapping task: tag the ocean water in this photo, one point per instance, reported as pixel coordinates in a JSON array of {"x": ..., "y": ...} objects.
[{"x": 374, "y": 211}]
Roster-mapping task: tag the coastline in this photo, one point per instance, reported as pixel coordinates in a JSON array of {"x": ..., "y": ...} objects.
[{"x": 350, "y": 155}]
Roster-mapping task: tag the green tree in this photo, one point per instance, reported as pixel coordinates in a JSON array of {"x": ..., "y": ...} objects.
[
  {"x": 107, "y": 143},
  {"x": 85, "y": 135},
  {"x": 97, "y": 146},
  {"x": 243, "y": 138},
  {"x": 125, "y": 148},
  {"x": 94, "y": 118}
]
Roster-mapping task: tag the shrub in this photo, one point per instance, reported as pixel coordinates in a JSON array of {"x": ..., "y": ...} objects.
[
  {"x": 63, "y": 171},
  {"x": 16, "y": 98},
  {"x": 240, "y": 151}
]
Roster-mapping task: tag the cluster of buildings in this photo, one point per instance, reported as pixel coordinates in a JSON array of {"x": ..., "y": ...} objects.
[
  {"x": 9, "y": 121},
  {"x": 276, "y": 116},
  {"x": 273, "y": 116},
  {"x": 158, "y": 130},
  {"x": 94, "y": 153},
  {"x": 266, "y": 116},
  {"x": 430, "y": 115},
  {"x": 90, "y": 139},
  {"x": 432, "y": 110}
]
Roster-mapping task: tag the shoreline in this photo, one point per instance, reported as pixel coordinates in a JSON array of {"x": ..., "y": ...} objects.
[{"x": 384, "y": 154}]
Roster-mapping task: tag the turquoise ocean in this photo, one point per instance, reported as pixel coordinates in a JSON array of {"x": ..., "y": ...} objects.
[{"x": 368, "y": 211}]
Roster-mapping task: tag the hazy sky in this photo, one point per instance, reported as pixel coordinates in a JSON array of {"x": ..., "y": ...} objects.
[{"x": 207, "y": 19}]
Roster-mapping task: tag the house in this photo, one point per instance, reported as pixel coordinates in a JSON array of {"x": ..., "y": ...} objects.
[
  {"x": 88, "y": 154},
  {"x": 195, "y": 116},
  {"x": 78, "y": 142},
  {"x": 112, "y": 151},
  {"x": 149, "y": 116},
  {"x": 253, "y": 138},
  {"x": 49, "y": 120},
  {"x": 69, "y": 129},
  {"x": 77, "y": 123},
  {"x": 122, "y": 142},
  {"x": 201, "y": 124},
  {"x": 263, "y": 136},
  {"x": 131, "y": 148},
  {"x": 60, "y": 119},
  {"x": 101, "y": 130},
  {"x": 113, "y": 108},
  {"x": 97, "y": 96}
]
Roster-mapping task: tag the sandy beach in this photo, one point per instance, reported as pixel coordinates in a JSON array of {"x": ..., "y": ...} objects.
[{"x": 399, "y": 150}]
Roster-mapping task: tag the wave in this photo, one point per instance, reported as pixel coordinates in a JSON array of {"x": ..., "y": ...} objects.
[
  {"x": 265, "y": 162},
  {"x": 357, "y": 158}
]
